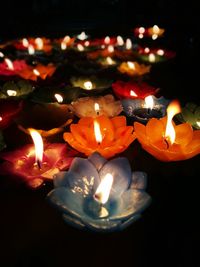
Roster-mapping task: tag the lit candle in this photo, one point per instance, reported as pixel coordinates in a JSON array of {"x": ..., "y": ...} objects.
[
  {"x": 133, "y": 68},
  {"x": 38, "y": 143},
  {"x": 88, "y": 85}
]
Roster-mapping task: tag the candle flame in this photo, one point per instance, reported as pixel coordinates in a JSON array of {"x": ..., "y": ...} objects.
[
  {"x": 128, "y": 44},
  {"x": 1, "y": 54},
  {"x": 63, "y": 45},
  {"x": 140, "y": 35},
  {"x": 103, "y": 191},
  {"x": 39, "y": 43},
  {"x": 31, "y": 50},
  {"x": 107, "y": 40},
  {"x": 39, "y": 147},
  {"x": 132, "y": 93},
  {"x": 152, "y": 57},
  {"x": 131, "y": 65},
  {"x": 80, "y": 47},
  {"x": 111, "y": 49},
  {"x": 154, "y": 36},
  {"x": 146, "y": 50},
  {"x": 36, "y": 72},
  {"x": 149, "y": 102},
  {"x": 97, "y": 132},
  {"x": 1, "y": 118},
  {"x": 87, "y": 43},
  {"x": 141, "y": 30},
  {"x": 88, "y": 85},
  {"x": 9, "y": 64},
  {"x": 11, "y": 93},
  {"x": 25, "y": 42},
  {"x": 156, "y": 29},
  {"x": 109, "y": 61},
  {"x": 198, "y": 123},
  {"x": 120, "y": 40},
  {"x": 160, "y": 52},
  {"x": 172, "y": 110},
  {"x": 59, "y": 98},
  {"x": 82, "y": 36},
  {"x": 96, "y": 107},
  {"x": 66, "y": 39}
]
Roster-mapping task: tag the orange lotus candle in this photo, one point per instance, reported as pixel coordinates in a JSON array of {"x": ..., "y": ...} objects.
[
  {"x": 101, "y": 134},
  {"x": 133, "y": 68},
  {"x": 167, "y": 141}
]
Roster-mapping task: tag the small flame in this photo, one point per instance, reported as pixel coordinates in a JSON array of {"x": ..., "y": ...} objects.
[
  {"x": 31, "y": 50},
  {"x": 103, "y": 191},
  {"x": 156, "y": 29},
  {"x": 107, "y": 40},
  {"x": 59, "y": 98},
  {"x": 141, "y": 30},
  {"x": 146, "y": 50},
  {"x": 39, "y": 147},
  {"x": 96, "y": 107},
  {"x": 25, "y": 42},
  {"x": 9, "y": 64},
  {"x": 88, "y": 85},
  {"x": 11, "y": 93},
  {"x": 109, "y": 61},
  {"x": 198, "y": 123},
  {"x": 160, "y": 52},
  {"x": 82, "y": 36},
  {"x": 132, "y": 93},
  {"x": 63, "y": 45},
  {"x": 36, "y": 72},
  {"x": 154, "y": 36},
  {"x": 103, "y": 46},
  {"x": 39, "y": 43},
  {"x": 1, "y": 54},
  {"x": 149, "y": 102},
  {"x": 140, "y": 35},
  {"x": 172, "y": 110},
  {"x": 131, "y": 65},
  {"x": 120, "y": 40},
  {"x": 128, "y": 44},
  {"x": 152, "y": 57},
  {"x": 97, "y": 132},
  {"x": 1, "y": 118},
  {"x": 66, "y": 39},
  {"x": 87, "y": 43},
  {"x": 111, "y": 49},
  {"x": 80, "y": 47}
]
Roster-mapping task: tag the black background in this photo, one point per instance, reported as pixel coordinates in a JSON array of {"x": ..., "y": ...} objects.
[{"x": 32, "y": 233}]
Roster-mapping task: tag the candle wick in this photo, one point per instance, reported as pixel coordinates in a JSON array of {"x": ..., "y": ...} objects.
[
  {"x": 39, "y": 164},
  {"x": 166, "y": 143},
  {"x": 97, "y": 113}
]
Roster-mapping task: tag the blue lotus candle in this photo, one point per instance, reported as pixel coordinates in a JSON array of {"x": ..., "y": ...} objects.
[{"x": 100, "y": 195}]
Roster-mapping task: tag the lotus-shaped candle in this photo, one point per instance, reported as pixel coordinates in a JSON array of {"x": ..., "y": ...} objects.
[
  {"x": 95, "y": 106},
  {"x": 190, "y": 114},
  {"x": 133, "y": 90},
  {"x": 19, "y": 89},
  {"x": 133, "y": 68},
  {"x": 155, "y": 55},
  {"x": 167, "y": 141},
  {"x": 143, "y": 110},
  {"x": 12, "y": 68},
  {"x": 100, "y": 195},
  {"x": 106, "y": 136},
  {"x": 35, "y": 165}
]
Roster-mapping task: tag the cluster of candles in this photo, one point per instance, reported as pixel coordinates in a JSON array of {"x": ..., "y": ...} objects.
[{"x": 95, "y": 192}]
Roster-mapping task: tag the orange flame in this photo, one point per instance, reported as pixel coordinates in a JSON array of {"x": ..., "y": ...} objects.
[
  {"x": 103, "y": 191},
  {"x": 97, "y": 132},
  {"x": 39, "y": 147}
]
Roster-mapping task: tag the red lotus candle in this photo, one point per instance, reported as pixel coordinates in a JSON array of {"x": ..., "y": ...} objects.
[
  {"x": 35, "y": 164},
  {"x": 38, "y": 44},
  {"x": 133, "y": 89},
  {"x": 12, "y": 68}
]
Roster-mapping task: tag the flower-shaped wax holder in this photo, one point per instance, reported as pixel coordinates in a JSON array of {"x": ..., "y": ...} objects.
[
  {"x": 190, "y": 114},
  {"x": 85, "y": 202},
  {"x": 96, "y": 106},
  {"x": 137, "y": 109},
  {"x": 133, "y": 68}
]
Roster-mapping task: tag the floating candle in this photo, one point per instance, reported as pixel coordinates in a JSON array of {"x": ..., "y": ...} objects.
[
  {"x": 100, "y": 195},
  {"x": 167, "y": 141},
  {"x": 116, "y": 135},
  {"x": 133, "y": 68}
]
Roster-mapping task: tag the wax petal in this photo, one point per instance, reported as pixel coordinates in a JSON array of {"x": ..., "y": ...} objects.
[
  {"x": 140, "y": 131},
  {"x": 139, "y": 180},
  {"x": 184, "y": 134},
  {"x": 132, "y": 202},
  {"x": 119, "y": 121},
  {"x": 155, "y": 130},
  {"x": 78, "y": 134},
  {"x": 97, "y": 160},
  {"x": 120, "y": 169},
  {"x": 67, "y": 201}
]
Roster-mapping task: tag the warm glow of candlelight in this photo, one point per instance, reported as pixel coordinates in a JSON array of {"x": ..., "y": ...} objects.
[
  {"x": 39, "y": 147},
  {"x": 140, "y": 35},
  {"x": 152, "y": 57},
  {"x": 25, "y": 42},
  {"x": 156, "y": 29},
  {"x": 97, "y": 132},
  {"x": 88, "y": 85},
  {"x": 120, "y": 40},
  {"x": 80, "y": 47},
  {"x": 87, "y": 43},
  {"x": 160, "y": 52},
  {"x": 107, "y": 40},
  {"x": 131, "y": 65},
  {"x": 146, "y": 50},
  {"x": 66, "y": 39},
  {"x": 154, "y": 36},
  {"x": 172, "y": 110},
  {"x": 11, "y": 93},
  {"x": 96, "y": 108},
  {"x": 1, "y": 118},
  {"x": 198, "y": 123},
  {"x": 63, "y": 45},
  {"x": 110, "y": 48},
  {"x": 103, "y": 191},
  {"x": 9, "y": 64},
  {"x": 31, "y": 50},
  {"x": 82, "y": 36},
  {"x": 149, "y": 102},
  {"x": 59, "y": 98},
  {"x": 36, "y": 72},
  {"x": 39, "y": 43},
  {"x": 128, "y": 44},
  {"x": 141, "y": 30},
  {"x": 132, "y": 93},
  {"x": 109, "y": 61},
  {"x": 1, "y": 54}
]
